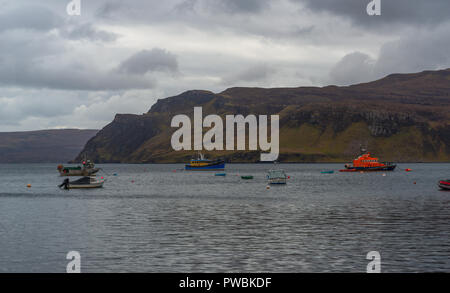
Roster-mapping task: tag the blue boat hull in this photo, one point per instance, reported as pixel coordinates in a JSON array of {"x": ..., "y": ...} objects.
[{"x": 212, "y": 167}]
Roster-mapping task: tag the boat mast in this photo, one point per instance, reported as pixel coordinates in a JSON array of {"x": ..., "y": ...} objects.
[
  {"x": 362, "y": 149},
  {"x": 201, "y": 156}
]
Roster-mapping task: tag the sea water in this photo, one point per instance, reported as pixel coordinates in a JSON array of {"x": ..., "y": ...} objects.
[{"x": 158, "y": 218}]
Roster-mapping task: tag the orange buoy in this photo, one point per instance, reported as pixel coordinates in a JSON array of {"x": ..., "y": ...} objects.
[
  {"x": 29, "y": 185},
  {"x": 408, "y": 170}
]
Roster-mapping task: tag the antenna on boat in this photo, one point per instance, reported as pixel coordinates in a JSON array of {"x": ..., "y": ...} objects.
[
  {"x": 362, "y": 149},
  {"x": 201, "y": 156}
]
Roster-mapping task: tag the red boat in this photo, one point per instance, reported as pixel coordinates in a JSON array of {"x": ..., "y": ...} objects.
[
  {"x": 444, "y": 184},
  {"x": 365, "y": 162}
]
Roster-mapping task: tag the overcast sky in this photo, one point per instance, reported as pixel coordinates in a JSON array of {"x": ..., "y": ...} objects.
[{"x": 59, "y": 71}]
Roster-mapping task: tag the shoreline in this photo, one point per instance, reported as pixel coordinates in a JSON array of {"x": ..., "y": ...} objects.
[{"x": 228, "y": 163}]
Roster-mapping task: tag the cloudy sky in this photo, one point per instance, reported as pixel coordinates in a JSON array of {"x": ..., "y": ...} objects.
[{"x": 59, "y": 71}]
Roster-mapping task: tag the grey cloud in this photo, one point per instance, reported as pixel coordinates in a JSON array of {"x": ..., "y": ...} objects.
[
  {"x": 38, "y": 59},
  {"x": 163, "y": 11},
  {"x": 30, "y": 17},
  {"x": 18, "y": 105},
  {"x": 251, "y": 74},
  {"x": 303, "y": 31},
  {"x": 112, "y": 10},
  {"x": 186, "y": 6},
  {"x": 41, "y": 19},
  {"x": 45, "y": 62},
  {"x": 239, "y": 6},
  {"x": 44, "y": 108},
  {"x": 252, "y": 17},
  {"x": 72, "y": 78},
  {"x": 418, "y": 12},
  {"x": 134, "y": 11},
  {"x": 419, "y": 51},
  {"x": 353, "y": 68},
  {"x": 149, "y": 60},
  {"x": 87, "y": 31},
  {"x": 413, "y": 53}
]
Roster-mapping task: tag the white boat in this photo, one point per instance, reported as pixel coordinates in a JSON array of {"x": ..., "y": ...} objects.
[
  {"x": 83, "y": 183},
  {"x": 276, "y": 177}
]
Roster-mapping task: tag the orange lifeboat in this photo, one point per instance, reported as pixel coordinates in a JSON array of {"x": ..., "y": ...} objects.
[{"x": 366, "y": 162}]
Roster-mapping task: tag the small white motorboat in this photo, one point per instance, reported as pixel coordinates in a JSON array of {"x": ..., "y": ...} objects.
[
  {"x": 276, "y": 177},
  {"x": 83, "y": 183}
]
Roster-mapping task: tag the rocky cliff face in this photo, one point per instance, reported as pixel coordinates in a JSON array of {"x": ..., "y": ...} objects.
[{"x": 403, "y": 117}]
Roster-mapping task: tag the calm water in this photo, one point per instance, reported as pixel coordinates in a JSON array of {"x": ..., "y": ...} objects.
[{"x": 168, "y": 221}]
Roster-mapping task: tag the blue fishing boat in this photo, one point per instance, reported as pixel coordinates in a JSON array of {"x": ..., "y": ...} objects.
[
  {"x": 327, "y": 172},
  {"x": 221, "y": 174},
  {"x": 202, "y": 164}
]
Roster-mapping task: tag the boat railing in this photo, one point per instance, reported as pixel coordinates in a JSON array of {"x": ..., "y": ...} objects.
[{"x": 276, "y": 174}]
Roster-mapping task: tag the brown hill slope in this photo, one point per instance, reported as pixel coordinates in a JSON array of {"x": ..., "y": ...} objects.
[
  {"x": 45, "y": 146},
  {"x": 402, "y": 117}
]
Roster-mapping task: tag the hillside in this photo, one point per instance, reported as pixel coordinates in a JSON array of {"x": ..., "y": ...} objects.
[
  {"x": 45, "y": 146},
  {"x": 402, "y": 117}
]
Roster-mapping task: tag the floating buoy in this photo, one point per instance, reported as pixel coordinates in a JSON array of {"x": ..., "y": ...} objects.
[
  {"x": 289, "y": 177},
  {"x": 267, "y": 187},
  {"x": 408, "y": 170},
  {"x": 415, "y": 182},
  {"x": 29, "y": 185},
  {"x": 102, "y": 177}
]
